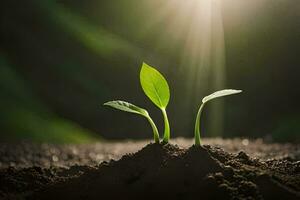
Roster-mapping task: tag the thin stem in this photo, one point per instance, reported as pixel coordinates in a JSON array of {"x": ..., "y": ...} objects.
[
  {"x": 167, "y": 126},
  {"x": 197, "y": 126},
  {"x": 155, "y": 131}
]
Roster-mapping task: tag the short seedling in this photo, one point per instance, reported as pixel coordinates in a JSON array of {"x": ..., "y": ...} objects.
[
  {"x": 214, "y": 95},
  {"x": 157, "y": 89}
]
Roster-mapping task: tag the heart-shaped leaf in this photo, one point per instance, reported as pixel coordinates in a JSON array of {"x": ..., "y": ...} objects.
[
  {"x": 220, "y": 93},
  {"x": 155, "y": 86}
]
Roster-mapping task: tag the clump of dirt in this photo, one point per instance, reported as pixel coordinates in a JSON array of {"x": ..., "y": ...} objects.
[
  {"x": 17, "y": 184},
  {"x": 161, "y": 172}
]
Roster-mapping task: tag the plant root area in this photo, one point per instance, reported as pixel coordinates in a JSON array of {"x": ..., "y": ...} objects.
[{"x": 224, "y": 169}]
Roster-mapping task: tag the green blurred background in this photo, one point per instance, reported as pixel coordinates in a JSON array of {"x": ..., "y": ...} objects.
[{"x": 61, "y": 60}]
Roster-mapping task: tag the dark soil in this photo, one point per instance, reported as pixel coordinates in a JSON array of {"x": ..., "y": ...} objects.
[{"x": 160, "y": 171}]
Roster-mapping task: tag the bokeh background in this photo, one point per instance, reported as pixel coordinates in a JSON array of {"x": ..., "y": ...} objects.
[{"x": 61, "y": 60}]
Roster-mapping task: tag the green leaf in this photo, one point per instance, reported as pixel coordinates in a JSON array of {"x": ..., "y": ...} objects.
[
  {"x": 155, "y": 86},
  {"x": 127, "y": 107},
  {"x": 220, "y": 93}
]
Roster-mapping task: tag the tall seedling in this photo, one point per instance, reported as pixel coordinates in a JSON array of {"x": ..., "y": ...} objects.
[{"x": 156, "y": 88}]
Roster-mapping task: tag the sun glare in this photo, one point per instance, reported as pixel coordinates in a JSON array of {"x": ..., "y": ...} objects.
[{"x": 199, "y": 24}]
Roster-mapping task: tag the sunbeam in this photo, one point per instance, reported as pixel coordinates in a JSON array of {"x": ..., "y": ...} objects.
[{"x": 199, "y": 25}]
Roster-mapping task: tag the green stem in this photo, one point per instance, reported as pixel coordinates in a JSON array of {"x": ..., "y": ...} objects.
[
  {"x": 167, "y": 126},
  {"x": 155, "y": 131},
  {"x": 197, "y": 126}
]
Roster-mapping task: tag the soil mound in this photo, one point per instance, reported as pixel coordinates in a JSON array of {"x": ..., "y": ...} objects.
[{"x": 167, "y": 171}]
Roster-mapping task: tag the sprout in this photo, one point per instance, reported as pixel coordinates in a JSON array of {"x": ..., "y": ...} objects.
[
  {"x": 156, "y": 88},
  {"x": 214, "y": 95}
]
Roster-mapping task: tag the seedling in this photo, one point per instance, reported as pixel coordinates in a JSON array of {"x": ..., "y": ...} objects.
[
  {"x": 206, "y": 99},
  {"x": 156, "y": 88}
]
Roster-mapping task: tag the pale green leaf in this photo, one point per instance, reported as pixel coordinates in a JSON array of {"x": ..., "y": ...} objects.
[
  {"x": 220, "y": 93},
  {"x": 155, "y": 86},
  {"x": 127, "y": 107}
]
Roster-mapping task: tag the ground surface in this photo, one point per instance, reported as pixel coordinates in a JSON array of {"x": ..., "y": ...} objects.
[{"x": 248, "y": 169}]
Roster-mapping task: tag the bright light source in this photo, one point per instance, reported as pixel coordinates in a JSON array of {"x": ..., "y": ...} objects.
[{"x": 199, "y": 24}]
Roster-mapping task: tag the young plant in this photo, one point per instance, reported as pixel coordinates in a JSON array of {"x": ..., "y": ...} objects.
[
  {"x": 206, "y": 99},
  {"x": 157, "y": 89},
  {"x": 128, "y": 107}
]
